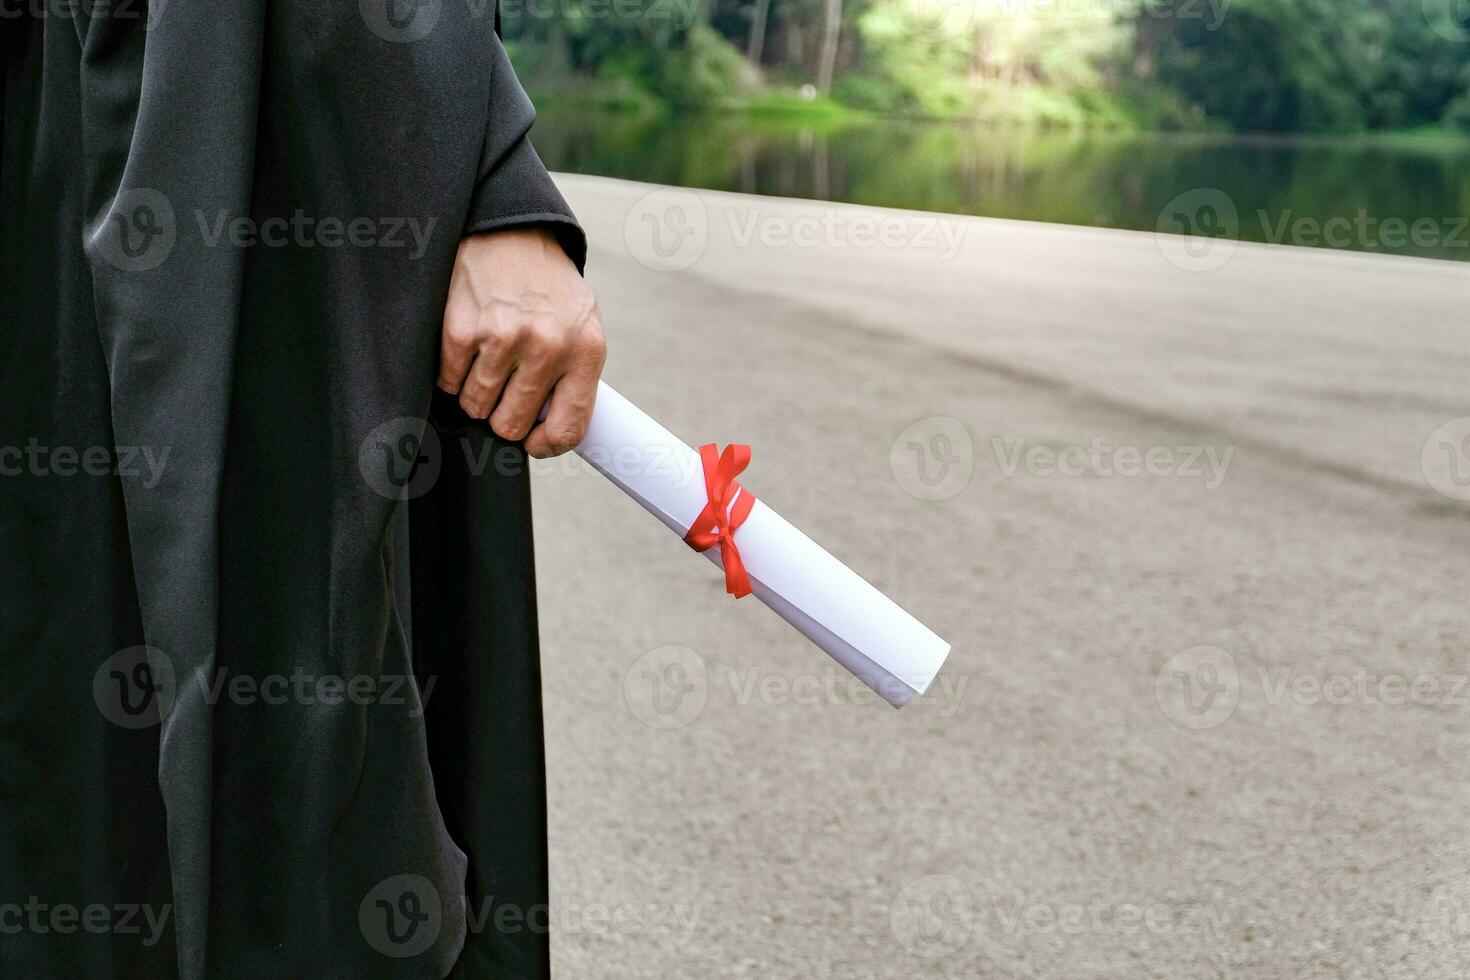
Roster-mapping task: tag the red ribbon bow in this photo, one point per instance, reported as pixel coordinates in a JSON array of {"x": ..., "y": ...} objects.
[{"x": 729, "y": 505}]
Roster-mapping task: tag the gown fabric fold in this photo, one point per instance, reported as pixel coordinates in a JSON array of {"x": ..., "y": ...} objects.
[{"x": 228, "y": 493}]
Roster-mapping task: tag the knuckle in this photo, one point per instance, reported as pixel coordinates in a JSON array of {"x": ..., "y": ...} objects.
[
  {"x": 565, "y": 435},
  {"x": 506, "y": 428},
  {"x": 590, "y": 334},
  {"x": 594, "y": 345},
  {"x": 458, "y": 339},
  {"x": 590, "y": 327},
  {"x": 473, "y": 406},
  {"x": 489, "y": 345},
  {"x": 499, "y": 337},
  {"x": 513, "y": 331},
  {"x": 460, "y": 330},
  {"x": 544, "y": 339}
]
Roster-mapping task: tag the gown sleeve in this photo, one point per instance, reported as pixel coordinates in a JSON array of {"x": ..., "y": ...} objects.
[{"x": 514, "y": 187}]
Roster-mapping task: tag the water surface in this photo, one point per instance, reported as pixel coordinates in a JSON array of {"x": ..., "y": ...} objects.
[{"x": 1377, "y": 194}]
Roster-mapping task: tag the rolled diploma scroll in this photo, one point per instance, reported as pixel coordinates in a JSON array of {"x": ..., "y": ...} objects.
[{"x": 858, "y": 626}]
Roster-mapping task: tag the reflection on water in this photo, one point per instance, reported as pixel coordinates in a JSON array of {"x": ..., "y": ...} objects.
[{"x": 1405, "y": 196}]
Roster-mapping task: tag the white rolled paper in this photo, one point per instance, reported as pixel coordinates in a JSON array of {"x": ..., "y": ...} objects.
[{"x": 858, "y": 626}]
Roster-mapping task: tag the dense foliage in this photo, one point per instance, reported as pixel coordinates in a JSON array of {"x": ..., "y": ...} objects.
[{"x": 1250, "y": 65}]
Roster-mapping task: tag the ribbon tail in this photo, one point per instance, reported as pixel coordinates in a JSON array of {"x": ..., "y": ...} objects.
[
  {"x": 728, "y": 507},
  {"x": 737, "y": 580}
]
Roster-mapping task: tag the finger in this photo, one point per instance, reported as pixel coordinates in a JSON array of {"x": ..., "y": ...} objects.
[
  {"x": 521, "y": 400},
  {"x": 483, "y": 388},
  {"x": 457, "y": 343},
  {"x": 567, "y": 418}
]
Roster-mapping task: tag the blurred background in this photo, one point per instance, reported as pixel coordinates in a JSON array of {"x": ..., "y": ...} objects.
[
  {"x": 1094, "y": 112},
  {"x": 1115, "y": 341}
]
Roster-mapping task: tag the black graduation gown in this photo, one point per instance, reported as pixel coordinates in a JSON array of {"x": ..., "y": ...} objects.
[{"x": 207, "y": 419}]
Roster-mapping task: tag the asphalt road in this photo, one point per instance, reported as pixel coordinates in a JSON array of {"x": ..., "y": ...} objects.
[{"x": 1195, "y": 520}]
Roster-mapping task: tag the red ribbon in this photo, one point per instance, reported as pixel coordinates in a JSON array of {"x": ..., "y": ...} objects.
[{"x": 729, "y": 505}]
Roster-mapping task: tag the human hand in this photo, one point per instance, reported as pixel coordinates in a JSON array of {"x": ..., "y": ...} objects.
[{"x": 521, "y": 324}]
